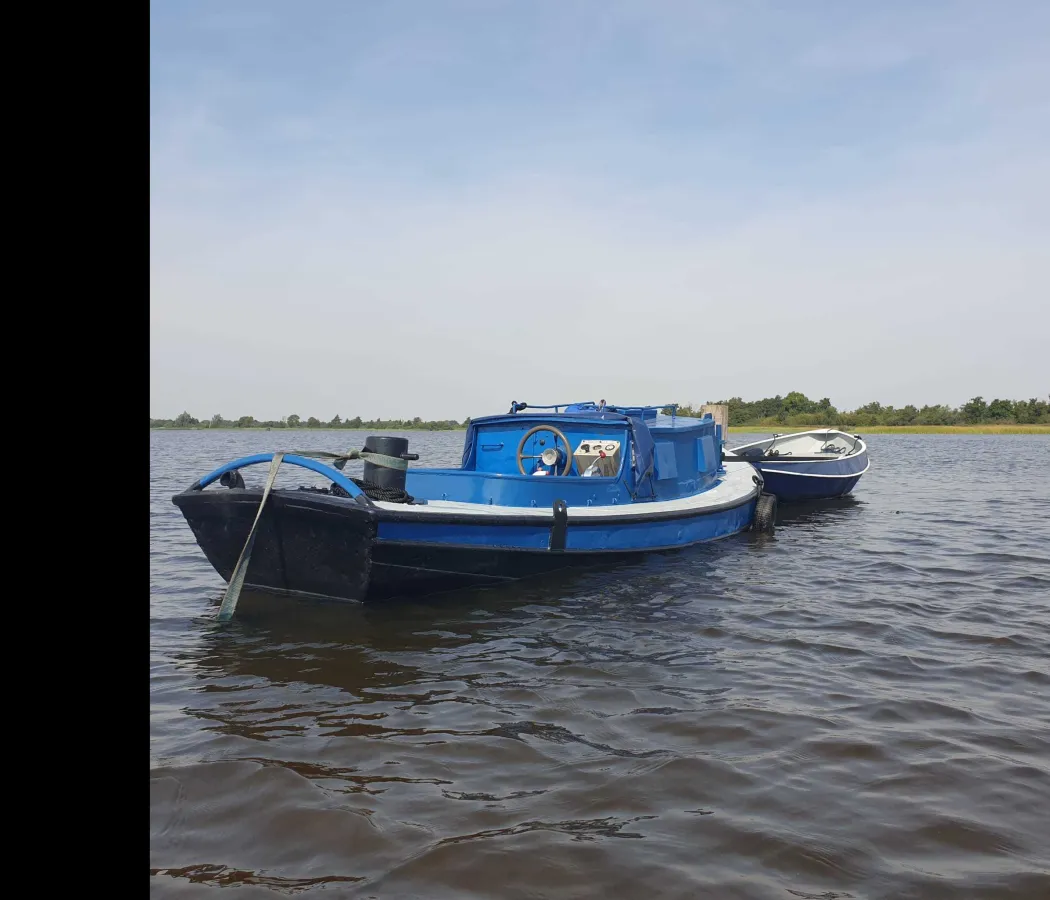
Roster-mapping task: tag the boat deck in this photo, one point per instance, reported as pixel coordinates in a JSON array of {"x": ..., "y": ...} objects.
[{"x": 738, "y": 476}]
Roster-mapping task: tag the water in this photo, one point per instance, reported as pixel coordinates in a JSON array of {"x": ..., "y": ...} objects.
[{"x": 857, "y": 707}]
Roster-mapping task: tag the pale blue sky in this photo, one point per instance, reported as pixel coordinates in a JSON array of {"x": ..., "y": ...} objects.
[{"x": 431, "y": 208}]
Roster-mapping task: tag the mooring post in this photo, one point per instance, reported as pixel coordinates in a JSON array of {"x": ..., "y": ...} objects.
[{"x": 720, "y": 413}]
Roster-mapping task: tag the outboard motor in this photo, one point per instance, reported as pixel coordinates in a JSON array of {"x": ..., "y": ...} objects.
[{"x": 381, "y": 476}]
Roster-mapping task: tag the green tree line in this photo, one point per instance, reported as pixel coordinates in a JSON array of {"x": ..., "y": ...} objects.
[
  {"x": 185, "y": 420},
  {"x": 797, "y": 409},
  {"x": 794, "y": 409}
]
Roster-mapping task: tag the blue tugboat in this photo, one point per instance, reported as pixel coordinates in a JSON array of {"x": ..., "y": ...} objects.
[
  {"x": 538, "y": 489},
  {"x": 809, "y": 465}
]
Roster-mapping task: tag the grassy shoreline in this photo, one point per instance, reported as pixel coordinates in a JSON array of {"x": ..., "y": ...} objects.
[
  {"x": 897, "y": 429},
  {"x": 733, "y": 429}
]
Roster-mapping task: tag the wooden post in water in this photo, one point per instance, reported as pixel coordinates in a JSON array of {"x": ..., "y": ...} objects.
[{"x": 720, "y": 412}]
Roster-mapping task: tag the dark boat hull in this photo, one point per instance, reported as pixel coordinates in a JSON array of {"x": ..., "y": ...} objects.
[
  {"x": 406, "y": 570},
  {"x": 309, "y": 544}
]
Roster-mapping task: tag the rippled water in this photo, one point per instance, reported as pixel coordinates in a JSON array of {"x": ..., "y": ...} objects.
[{"x": 857, "y": 707}]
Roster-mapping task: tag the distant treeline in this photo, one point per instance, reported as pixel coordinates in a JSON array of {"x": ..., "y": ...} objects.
[
  {"x": 798, "y": 409},
  {"x": 794, "y": 409},
  {"x": 185, "y": 420}
]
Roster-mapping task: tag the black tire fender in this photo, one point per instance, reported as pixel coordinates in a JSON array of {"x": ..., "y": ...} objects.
[{"x": 765, "y": 513}]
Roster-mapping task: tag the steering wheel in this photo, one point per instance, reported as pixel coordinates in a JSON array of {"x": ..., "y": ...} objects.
[{"x": 557, "y": 434}]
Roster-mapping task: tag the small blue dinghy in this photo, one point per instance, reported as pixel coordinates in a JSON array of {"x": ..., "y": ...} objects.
[
  {"x": 537, "y": 489},
  {"x": 809, "y": 465}
]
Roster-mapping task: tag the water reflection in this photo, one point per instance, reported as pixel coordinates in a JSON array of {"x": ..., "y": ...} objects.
[
  {"x": 833, "y": 512},
  {"x": 371, "y": 669}
]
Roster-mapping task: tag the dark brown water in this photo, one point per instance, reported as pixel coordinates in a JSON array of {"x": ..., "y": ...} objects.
[{"x": 857, "y": 707}]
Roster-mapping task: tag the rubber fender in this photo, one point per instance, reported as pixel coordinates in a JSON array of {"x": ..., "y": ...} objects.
[{"x": 765, "y": 513}]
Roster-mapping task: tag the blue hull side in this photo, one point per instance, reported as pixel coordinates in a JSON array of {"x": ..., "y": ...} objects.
[
  {"x": 816, "y": 480},
  {"x": 606, "y": 536},
  {"x": 411, "y": 558},
  {"x": 800, "y": 487}
]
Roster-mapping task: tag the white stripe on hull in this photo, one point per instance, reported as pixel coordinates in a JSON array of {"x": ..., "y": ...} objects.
[{"x": 815, "y": 474}]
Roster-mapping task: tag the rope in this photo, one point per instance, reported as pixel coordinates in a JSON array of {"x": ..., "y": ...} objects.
[
  {"x": 233, "y": 590},
  {"x": 376, "y": 459},
  {"x": 376, "y": 492},
  {"x": 372, "y": 491}
]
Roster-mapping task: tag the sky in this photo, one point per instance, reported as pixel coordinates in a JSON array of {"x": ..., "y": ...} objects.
[{"x": 433, "y": 208}]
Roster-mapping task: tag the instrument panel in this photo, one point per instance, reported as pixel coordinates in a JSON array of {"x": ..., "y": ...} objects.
[{"x": 602, "y": 453}]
